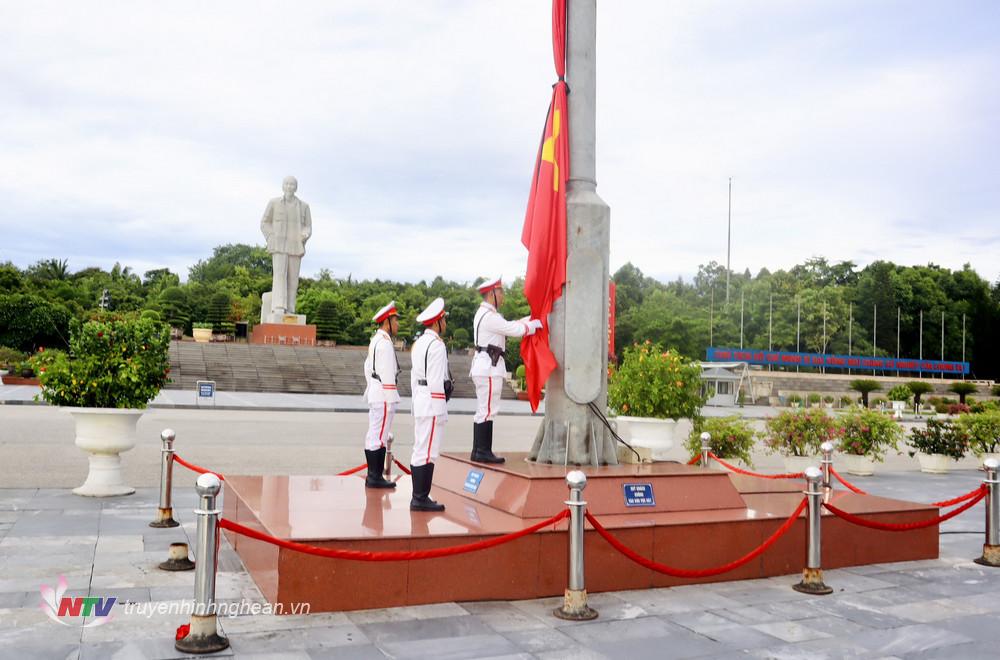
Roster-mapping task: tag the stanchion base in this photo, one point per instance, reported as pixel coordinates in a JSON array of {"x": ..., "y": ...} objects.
[
  {"x": 812, "y": 583},
  {"x": 991, "y": 556},
  {"x": 176, "y": 565},
  {"x": 204, "y": 636},
  {"x": 164, "y": 518},
  {"x": 575, "y": 607}
]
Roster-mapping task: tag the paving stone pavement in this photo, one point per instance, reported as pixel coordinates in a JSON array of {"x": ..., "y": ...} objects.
[{"x": 944, "y": 608}]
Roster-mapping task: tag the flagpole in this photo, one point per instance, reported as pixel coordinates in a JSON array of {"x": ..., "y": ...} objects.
[{"x": 729, "y": 236}]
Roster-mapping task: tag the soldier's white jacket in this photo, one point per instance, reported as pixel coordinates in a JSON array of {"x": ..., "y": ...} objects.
[
  {"x": 382, "y": 360},
  {"x": 490, "y": 327},
  {"x": 427, "y": 383}
]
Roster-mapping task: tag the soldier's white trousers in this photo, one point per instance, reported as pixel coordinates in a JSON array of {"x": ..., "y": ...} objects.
[
  {"x": 380, "y": 417},
  {"x": 428, "y": 432},
  {"x": 488, "y": 390}
]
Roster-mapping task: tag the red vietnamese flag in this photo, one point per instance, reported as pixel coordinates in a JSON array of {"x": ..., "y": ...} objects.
[{"x": 544, "y": 232}]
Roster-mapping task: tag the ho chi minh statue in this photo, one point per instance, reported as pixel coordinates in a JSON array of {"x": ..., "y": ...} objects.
[{"x": 287, "y": 225}]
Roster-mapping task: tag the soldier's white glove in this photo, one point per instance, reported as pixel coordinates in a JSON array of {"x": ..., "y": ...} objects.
[{"x": 533, "y": 325}]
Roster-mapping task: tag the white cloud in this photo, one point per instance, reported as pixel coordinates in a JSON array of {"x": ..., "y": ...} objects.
[{"x": 149, "y": 133}]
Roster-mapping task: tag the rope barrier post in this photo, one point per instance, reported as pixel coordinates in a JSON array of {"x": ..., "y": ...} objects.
[
  {"x": 812, "y": 574},
  {"x": 177, "y": 559},
  {"x": 575, "y": 606},
  {"x": 991, "y": 547},
  {"x": 165, "y": 513},
  {"x": 826, "y": 463},
  {"x": 387, "y": 471},
  {"x": 203, "y": 635},
  {"x": 706, "y": 447}
]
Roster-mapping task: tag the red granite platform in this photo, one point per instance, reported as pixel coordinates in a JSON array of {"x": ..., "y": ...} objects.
[{"x": 701, "y": 518}]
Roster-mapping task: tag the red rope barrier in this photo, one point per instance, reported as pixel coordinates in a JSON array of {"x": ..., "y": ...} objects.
[
  {"x": 688, "y": 573},
  {"x": 894, "y": 527},
  {"x": 402, "y": 467},
  {"x": 347, "y": 473},
  {"x": 849, "y": 486},
  {"x": 694, "y": 459},
  {"x": 196, "y": 468},
  {"x": 788, "y": 475},
  {"x": 394, "y": 555},
  {"x": 960, "y": 498}
]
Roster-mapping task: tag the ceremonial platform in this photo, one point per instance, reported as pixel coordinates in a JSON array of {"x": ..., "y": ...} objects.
[{"x": 683, "y": 516}]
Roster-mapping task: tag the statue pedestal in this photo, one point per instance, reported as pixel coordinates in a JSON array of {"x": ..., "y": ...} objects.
[{"x": 288, "y": 334}]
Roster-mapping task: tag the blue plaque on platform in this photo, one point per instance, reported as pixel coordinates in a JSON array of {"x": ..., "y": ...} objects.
[
  {"x": 472, "y": 481},
  {"x": 639, "y": 495}
]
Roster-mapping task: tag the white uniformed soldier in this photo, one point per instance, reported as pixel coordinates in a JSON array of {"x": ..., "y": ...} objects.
[
  {"x": 430, "y": 383},
  {"x": 489, "y": 334},
  {"x": 381, "y": 368}
]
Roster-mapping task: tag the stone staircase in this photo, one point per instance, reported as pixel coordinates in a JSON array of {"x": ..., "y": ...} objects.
[{"x": 239, "y": 367}]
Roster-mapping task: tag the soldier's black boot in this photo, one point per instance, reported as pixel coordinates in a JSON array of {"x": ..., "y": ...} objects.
[
  {"x": 376, "y": 460},
  {"x": 423, "y": 476},
  {"x": 482, "y": 444}
]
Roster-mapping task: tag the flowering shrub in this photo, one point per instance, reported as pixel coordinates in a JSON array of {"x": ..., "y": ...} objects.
[
  {"x": 940, "y": 437},
  {"x": 800, "y": 432},
  {"x": 731, "y": 437},
  {"x": 113, "y": 364},
  {"x": 958, "y": 409},
  {"x": 868, "y": 433},
  {"x": 983, "y": 431},
  {"x": 652, "y": 382}
]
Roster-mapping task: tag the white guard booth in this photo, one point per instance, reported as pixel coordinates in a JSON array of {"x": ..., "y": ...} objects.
[{"x": 723, "y": 380}]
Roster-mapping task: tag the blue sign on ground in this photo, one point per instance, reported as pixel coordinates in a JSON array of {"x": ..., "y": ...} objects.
[
  {"x": 639, "y": 495},
  {"x": 206, "y": 390},
  {"x": 472, "y": 481}
]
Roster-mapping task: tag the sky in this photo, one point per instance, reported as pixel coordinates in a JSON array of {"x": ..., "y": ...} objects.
[{"x": 147, "y": 133}]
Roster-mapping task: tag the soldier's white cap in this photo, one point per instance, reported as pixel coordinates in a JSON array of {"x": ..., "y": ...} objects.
[
  {"x": 432, "y": 313},
  {"x": 385, "y": 312},
  {"x": 486, "y": 287}
]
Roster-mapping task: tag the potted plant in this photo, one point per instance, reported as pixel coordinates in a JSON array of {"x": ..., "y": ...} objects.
[
  {"x": 814, "y": 400},
  {"x": 846, "y": 402},
  {"x": 865, "y": 436},
  {"x": 113, "y": 370},
  {"x": 899, "y": 395},
  {"x": 798, "y": 434},
  {"x": 828, "y": 401},
  {"x": 9, "y": 357},
  {"x": 938, "y": 442},
  {"x": 732, "y": 439},
  {"x": 202, "y": 332},
  {"x": 794, "y": 400},
  {"x": 983, "y": 432},
  {"x": 519, "y": 381},
  {"x": 650, "y": 391},
  {"x": 864, "y": 387}
]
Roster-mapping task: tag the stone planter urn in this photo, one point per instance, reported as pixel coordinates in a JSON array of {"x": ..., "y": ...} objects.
[
  {"x": 859, "y": 465},
  {"x": 898, "y": 407},
  {"x": 202, "y": 335},
  {"x": 934, "y": 463},
  {"x": 657, "y": 435},
  {"x": 800, "y": 463},
  {"x": 104, "y": 433}
]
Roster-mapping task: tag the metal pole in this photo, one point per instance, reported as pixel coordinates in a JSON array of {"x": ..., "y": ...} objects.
[
  {"x": 823, "y": 369},
  {"x": 741, "y": 318},
  {"x": 942, "y": 341},
  {"x": 826, "y": 463},
  {"x": 874, "y": 332},
  {"x": 991, "y": 547},
  {"x": 963, "y": 344},
  {"x": 898, "y": 315},
  {"x": 798, "y": 328},
  {"x": 203, "y": 636},
  {"x": 706, "y": 447},
  {"x": 711, "y": 319},
  {"x": 770, "y": 324},
  {"x": 812, "y": 574},
  {"x": 850, "y": 333},
  {"x": 165, "y": 513},
  {"x": 574, "y": 607},
  {"x": 729, "y": 235},
  {"x": 920, "y": 366}
]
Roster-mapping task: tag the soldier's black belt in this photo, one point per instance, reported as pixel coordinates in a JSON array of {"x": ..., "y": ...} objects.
[{"x": 422, "y": 382}]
